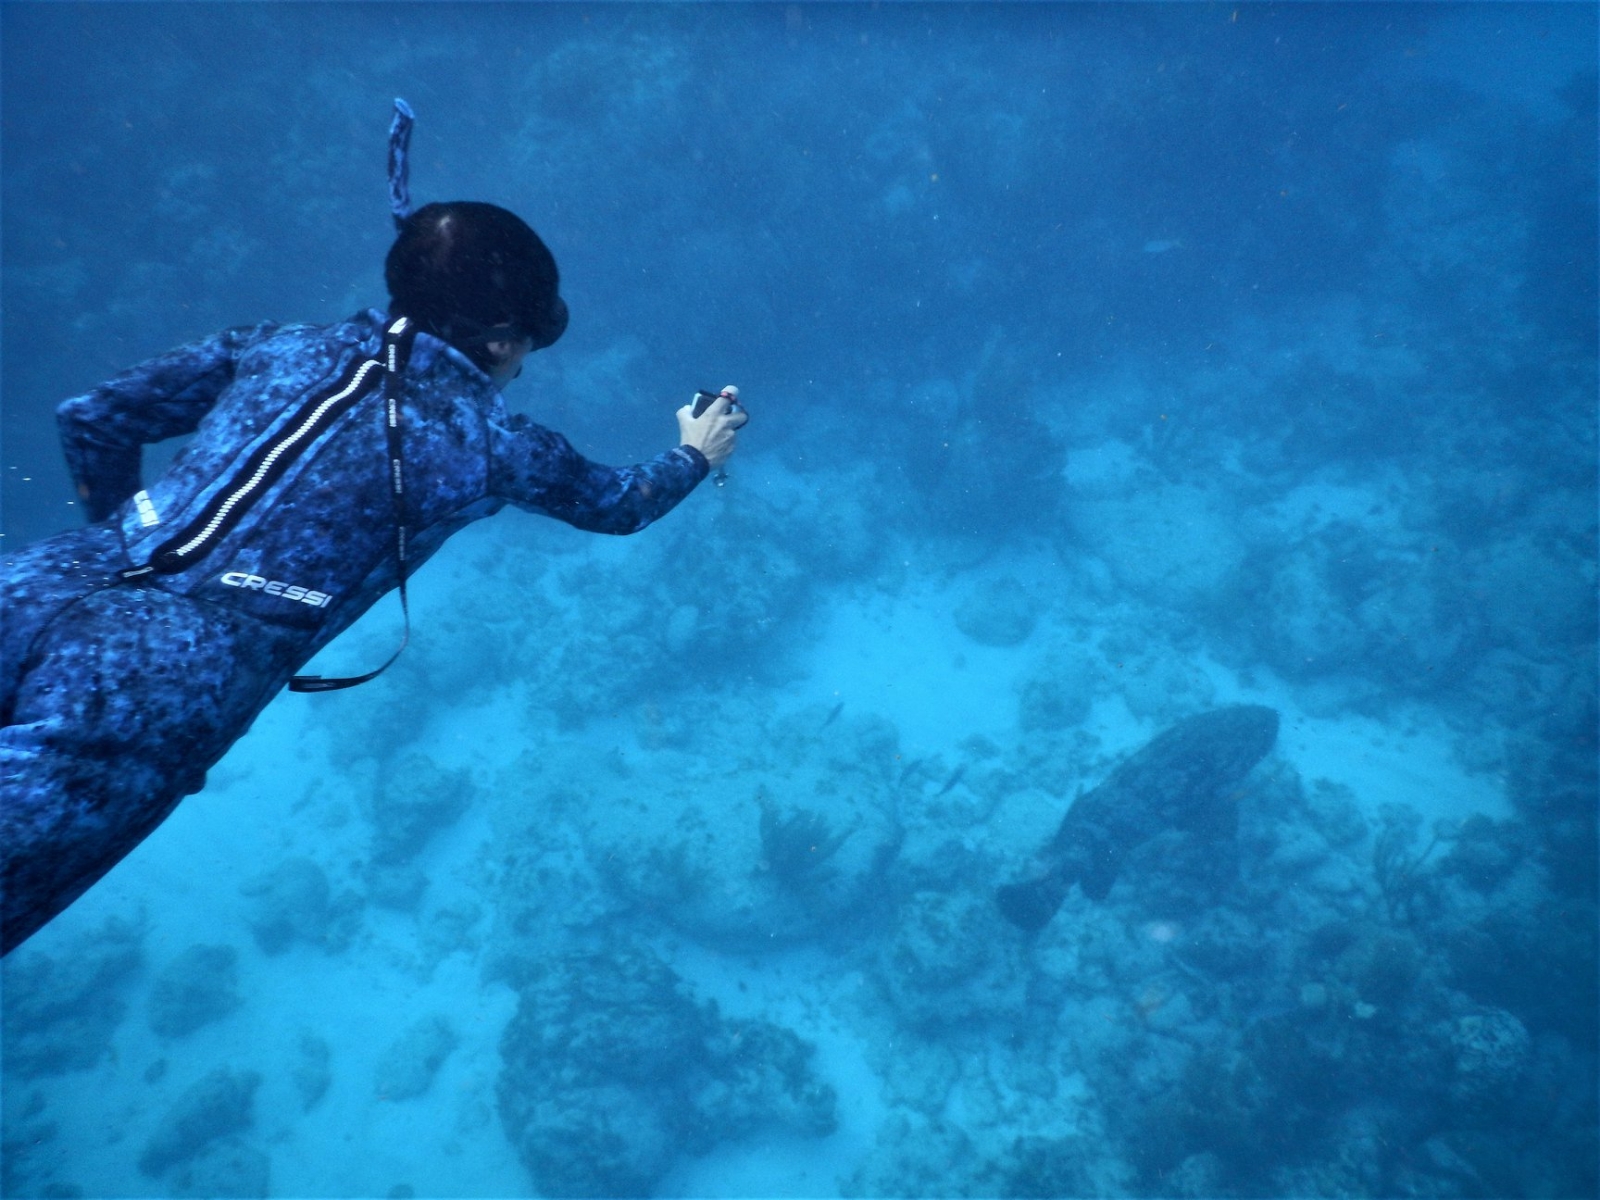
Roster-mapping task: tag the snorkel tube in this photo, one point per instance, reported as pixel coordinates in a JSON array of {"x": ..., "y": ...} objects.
[{"x": 399, "y": 161}]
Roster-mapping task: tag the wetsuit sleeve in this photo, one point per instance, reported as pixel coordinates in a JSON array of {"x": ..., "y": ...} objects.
[
  {"x": 537, "y": 469},
  {"x": 102, "y": 431}
]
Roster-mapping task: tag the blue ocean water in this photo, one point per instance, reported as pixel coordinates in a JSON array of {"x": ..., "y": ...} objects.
[{"x": 1109, "y": 365}]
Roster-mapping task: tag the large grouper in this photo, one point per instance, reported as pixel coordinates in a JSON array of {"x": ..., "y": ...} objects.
[{"x": 1186, "y": 778}]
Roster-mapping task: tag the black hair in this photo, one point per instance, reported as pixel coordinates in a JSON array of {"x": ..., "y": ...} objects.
[{"x": 472, "y": 273}]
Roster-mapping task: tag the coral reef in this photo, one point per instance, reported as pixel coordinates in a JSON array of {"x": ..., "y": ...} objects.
[
  {"x": 1373, "y": 590},
  {"x": 311, "y": 1072},
  {"x": 673, "y": 616},
  {"x": 997, "y": 612},
  {"x": 407, "y": 1067},
  {"x": 215, "y": 1107},
  {"x": 414, "y": 800},
  {"x": 1270, "y": 1032},
  {"x": 796, "y": 845},
  {"x": 27, "y": 1132},
  {"x": 199, "y": 986},
  {"x": 228, "y": 1167},
  {"x": 1493, "y": 1052},
  {"x": 734, "y": 865},
  {"x": 612, "y": 1072},
  {"x": 950, "y": 443},
  {"x": 295, "y": 902},
  {"x": 1288, "y": 400},
  {"x": 1172, "y": 544},
  {"x": 952, "y": 963},
  {"x": 61, "y": 1010},
  {"x": 1058, "y": 690},
  {"x": 924, "y": 1158}
]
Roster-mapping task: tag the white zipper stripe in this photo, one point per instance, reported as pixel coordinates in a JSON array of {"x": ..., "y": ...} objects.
[{"x": 255, "y": 480}]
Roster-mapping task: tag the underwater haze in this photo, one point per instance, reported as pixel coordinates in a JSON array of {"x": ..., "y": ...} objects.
[{"x": 1173, "y": 434}]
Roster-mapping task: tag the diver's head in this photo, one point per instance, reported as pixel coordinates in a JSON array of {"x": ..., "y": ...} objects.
[{"x": 476, "y": 276}]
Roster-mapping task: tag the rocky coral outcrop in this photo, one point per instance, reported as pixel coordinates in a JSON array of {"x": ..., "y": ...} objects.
[
  {"x": 612, "y": 1071},
  {"x": 295, "y": 902},
  {"x": 408, "y": 1066},
  {"x": 1172, "y": 545},
  {"x": 230, "y": 1167},
  {"x": 414, "y": 801},
  {"x": 952, "y": 962},
  {"x": 311, "y": 1071},
  {"x": 61, "y": 1010},
  {"x": 997, "y": 612},
  {"x": 742, "y": 866},
  {"x": 217, "y": 1106},
  {"x": 198, "y": 987}
]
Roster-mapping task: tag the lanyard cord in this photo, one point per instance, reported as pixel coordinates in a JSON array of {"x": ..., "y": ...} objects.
[{"x": 396, "y": 350}]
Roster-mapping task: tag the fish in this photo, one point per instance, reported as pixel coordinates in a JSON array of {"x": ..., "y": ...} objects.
[
  {"x": 950, "y": 784},
  {"x": 914, "y": 767},
  {"x": 1187, "y": 777},
  {"x": 833, "y": 714}
]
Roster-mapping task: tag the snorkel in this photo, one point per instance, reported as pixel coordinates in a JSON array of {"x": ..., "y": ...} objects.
[
  {"x": 470, "y": 273},
  {"x": 399, "y": 161}
]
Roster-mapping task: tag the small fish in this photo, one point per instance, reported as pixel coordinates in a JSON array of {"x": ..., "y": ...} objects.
[
  {"x": 833, "y": 714},
  {"x": 1162, "y": 245},
  {"x": 955, "y": 778},
  {"x": 914, "y": 767}
]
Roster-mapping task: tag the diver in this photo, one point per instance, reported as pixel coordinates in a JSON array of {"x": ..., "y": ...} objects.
[{"x": 327, "y": 464}]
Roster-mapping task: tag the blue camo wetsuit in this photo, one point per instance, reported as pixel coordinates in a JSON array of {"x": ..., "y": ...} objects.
[{"x": 117, "y": 696}]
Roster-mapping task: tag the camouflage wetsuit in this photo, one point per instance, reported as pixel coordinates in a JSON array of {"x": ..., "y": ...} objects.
[{"x": 117, "y": 696}]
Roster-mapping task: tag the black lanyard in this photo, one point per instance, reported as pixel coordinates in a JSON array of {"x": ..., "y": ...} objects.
[{"x": 397, "y": 341}]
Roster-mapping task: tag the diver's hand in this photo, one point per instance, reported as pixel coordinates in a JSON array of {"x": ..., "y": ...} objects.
[{"x": 712, "y": 432}]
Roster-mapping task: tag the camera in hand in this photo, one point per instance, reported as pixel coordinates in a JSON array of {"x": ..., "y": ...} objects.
[{"x": 704, "y": 400}]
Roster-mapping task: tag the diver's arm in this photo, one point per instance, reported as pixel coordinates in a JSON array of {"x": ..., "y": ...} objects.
[
  {"x": 103, "y": 430},
  {"x": 537, "y": 469}
]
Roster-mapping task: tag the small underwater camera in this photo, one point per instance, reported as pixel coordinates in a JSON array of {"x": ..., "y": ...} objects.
[{"x": 704, "y": 400}]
